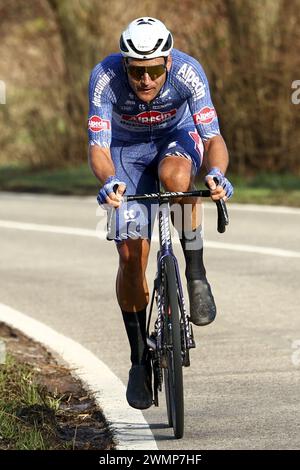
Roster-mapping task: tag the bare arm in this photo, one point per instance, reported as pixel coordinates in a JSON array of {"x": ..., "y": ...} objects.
[
  {"x": 216, "y": 155},
  {"x": 101, "y": 163},
  {"x": 102, "y": 166}
]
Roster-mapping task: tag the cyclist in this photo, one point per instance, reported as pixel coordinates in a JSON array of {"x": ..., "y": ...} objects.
[{"x": 151, "y": 116}]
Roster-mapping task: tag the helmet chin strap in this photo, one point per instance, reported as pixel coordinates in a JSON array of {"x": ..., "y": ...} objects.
[{"x": 167, "y": 71}]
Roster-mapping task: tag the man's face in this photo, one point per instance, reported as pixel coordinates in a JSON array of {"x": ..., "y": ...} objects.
[{"x": 147, "y": 83}]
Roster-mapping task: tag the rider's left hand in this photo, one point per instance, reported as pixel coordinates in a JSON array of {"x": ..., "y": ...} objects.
[{"x": 220, "y": 187}]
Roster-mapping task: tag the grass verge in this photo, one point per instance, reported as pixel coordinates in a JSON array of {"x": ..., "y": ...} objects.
[
  {"x": 262, "y": 188},
  {"x": 265, "y": 188},
  {"x": 74, "y": 180},
  {"x": 42, "y": 403},
  {"x": 27, "y": 412}
]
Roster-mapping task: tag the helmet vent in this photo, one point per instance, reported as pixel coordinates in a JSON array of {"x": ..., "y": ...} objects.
[
  {"x": 144, "y": 21},
  {"x": 168, "y": 44},
  {"x": 123, "y": 46},
  {"x": 144, "y": 52}
]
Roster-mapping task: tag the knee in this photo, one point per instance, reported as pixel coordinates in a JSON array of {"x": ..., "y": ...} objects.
[
  {"x": 176, "y": 181},
  {"x": 175, "y": 174}
]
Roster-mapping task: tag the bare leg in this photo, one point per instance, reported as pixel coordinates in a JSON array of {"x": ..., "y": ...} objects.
[{"x": 131, "y": 283}]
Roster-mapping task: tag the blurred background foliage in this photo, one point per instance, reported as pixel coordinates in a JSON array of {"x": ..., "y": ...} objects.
[{"x": 249, "y": 49}]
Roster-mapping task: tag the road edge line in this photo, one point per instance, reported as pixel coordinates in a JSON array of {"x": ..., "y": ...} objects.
[{"x": 131, "y": 430}]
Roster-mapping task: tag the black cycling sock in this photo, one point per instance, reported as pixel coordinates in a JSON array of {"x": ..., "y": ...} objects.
[
  {"x": 192, "y": 245},
  {"x": 135, "y": 324}
]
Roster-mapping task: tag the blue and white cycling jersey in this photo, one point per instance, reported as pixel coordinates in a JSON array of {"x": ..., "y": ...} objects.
[
  {"x": 117, "y": 113},
  {"x": 139, "y": 135}
]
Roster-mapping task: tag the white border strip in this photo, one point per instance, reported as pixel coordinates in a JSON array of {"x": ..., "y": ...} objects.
[
  {"x": 131, "y": 430},
  {"x": 261, "y": 250}
]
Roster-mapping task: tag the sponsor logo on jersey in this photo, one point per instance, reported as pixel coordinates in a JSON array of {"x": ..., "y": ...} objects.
[
  {"x": 129, "y": 214},
  {"x": 103, "y": 80},
  {"x": 148, "y": 118},
  {"x": 96, "y": 124},
  {"x": 189, "y": 77},
  {"x": 126, "y": 108},
  {"x": 205, "y": 116},
  {"x": 160, "y": 106}
]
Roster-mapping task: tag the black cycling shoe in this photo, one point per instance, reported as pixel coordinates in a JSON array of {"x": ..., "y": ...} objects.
[
  {"x": 202, "y": 305},
  {"x": 139, "y": 389}
]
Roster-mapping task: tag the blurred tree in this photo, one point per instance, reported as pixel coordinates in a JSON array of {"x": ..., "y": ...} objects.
[
  {"x": 258, "y": 89},
  {"x": 79, "y": 30},
  {"x": 249, "y": 50}
]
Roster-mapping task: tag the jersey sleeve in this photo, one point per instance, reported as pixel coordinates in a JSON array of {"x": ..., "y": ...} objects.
[
  {"x": 101, "y": 100},
  {"x": 199, "y": 100}
]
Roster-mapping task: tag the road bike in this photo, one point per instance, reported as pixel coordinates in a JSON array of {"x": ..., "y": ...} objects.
[{"x": 172, "y": 336}]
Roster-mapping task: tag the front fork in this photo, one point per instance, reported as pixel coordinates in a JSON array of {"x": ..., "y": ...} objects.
[
  {"x": 154, "y": 340},
  {"x": 187, "y": 330}
]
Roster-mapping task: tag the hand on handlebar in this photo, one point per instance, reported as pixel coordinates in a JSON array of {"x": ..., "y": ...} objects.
[
  {"x": 220, "y": 187},
  {"x": 111, "y": 192}
]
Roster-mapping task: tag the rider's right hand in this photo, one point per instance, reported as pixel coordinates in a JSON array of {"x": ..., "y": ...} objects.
[{"x": 111, "y": 192}]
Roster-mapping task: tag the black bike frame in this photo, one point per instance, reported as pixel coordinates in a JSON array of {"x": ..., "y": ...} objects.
[
  {"x": 166, "y": 246},
  {"x": 157, "y": 341},
  {"x": 166, "y": 249}
]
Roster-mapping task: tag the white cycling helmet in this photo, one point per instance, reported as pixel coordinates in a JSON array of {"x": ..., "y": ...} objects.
[{"x": 146, "y": 38}]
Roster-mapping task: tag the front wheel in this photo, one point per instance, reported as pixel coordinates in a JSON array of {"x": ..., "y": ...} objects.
[{"x": 172, "y": 349}]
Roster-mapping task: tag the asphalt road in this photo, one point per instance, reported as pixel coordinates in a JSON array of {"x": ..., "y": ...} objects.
[{"x": 242, "y": 389}]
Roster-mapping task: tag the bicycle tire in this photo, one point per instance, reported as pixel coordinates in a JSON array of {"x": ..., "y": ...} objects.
[
  {"x": 173, "y": 372},
  {"x": 168, "y": 399}
]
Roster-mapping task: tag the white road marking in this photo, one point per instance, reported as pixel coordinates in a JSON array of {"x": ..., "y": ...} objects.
[
  {"x": 82, "y": 232},
  {"x": 48, "y": 198},
  {"x": 256, "y": 208},
  {"x": 131, "y": 430},
  {"x": 262, "y": 250}
]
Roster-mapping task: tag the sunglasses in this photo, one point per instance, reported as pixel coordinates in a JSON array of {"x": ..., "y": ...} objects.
[{"x": 154, "y": 71}]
